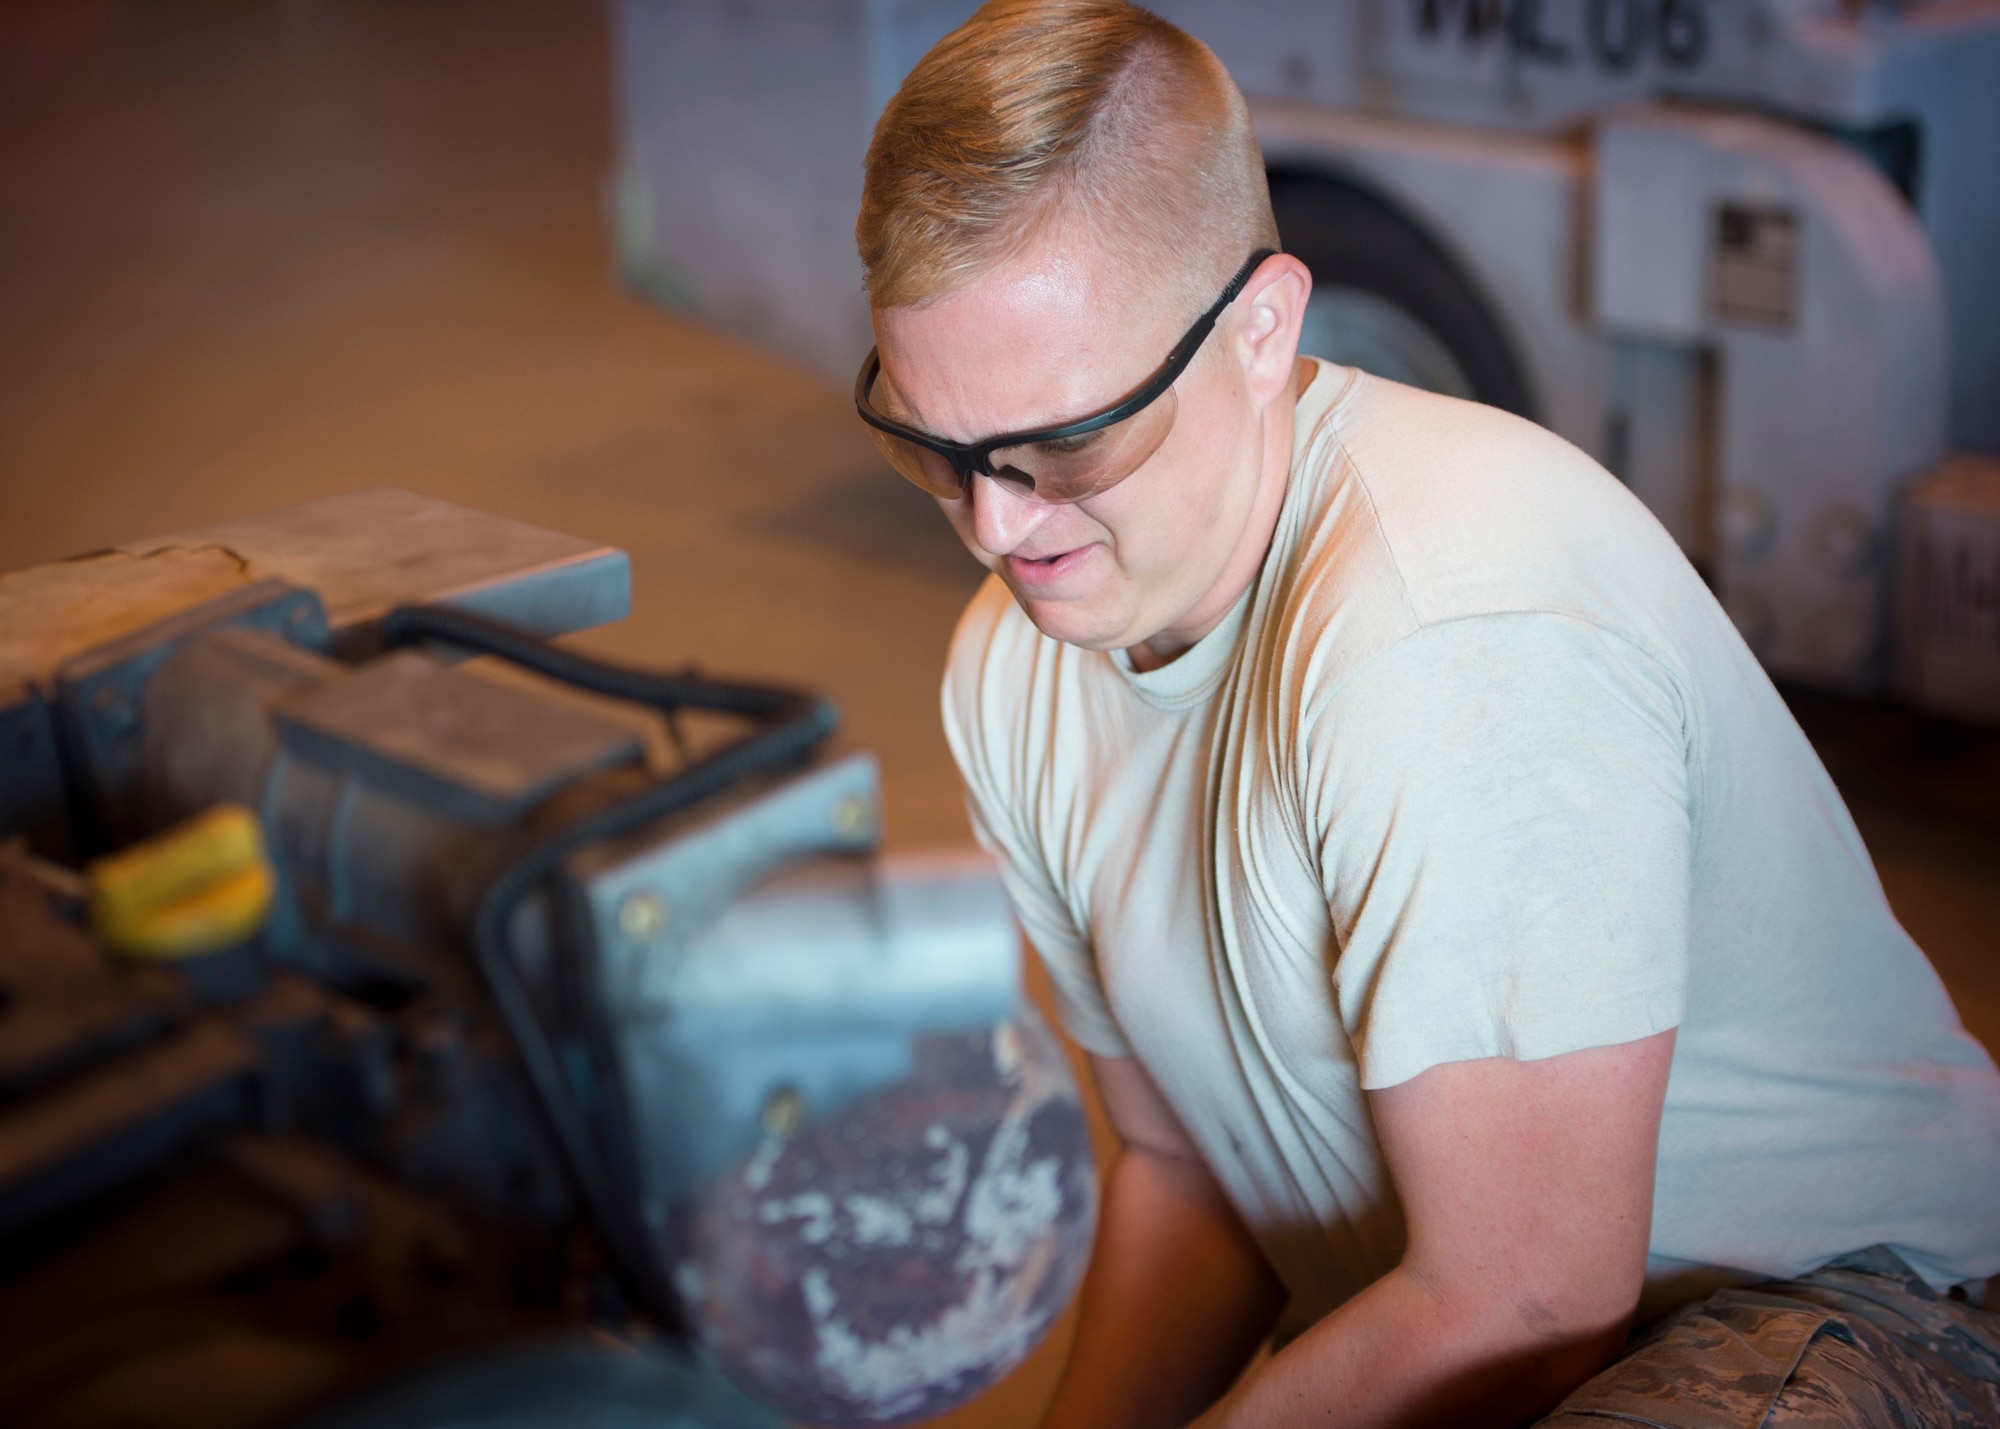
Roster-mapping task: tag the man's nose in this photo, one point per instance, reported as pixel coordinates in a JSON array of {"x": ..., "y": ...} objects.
[{"x": 1003, "y": 518}]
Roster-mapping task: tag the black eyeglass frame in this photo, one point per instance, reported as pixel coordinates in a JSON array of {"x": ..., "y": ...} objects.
[{"x": 969, "y": 459}]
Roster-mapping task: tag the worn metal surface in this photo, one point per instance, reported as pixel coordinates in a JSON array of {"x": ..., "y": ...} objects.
[
  {"x": 188, "y": 1236},
  {"x": 692, "y": 868},
  {"x": 101, "y": 697},
  {"x": 367, "y": 552},
  {"x": 414, "y": 726},
  {"x": 364, "y": 553},
  {"x": 33, "y": 801},
  {"x": 888, "y": 1261},
  {"x": 52, "y": 613},
  {"x": 863, "y": 1159},
  {"x": 355, "y": 861},
  {"x": 64, "y": 1006},
  {"x": 751, "y": 948},
  {"x": 108, "y": 1125},
  {"x": 739, "y": 981}
]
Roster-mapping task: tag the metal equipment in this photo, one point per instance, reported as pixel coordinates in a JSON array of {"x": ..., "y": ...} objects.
[
  {"x": 1740, "y": 251},
  {"x": 573, "y": 1054}
]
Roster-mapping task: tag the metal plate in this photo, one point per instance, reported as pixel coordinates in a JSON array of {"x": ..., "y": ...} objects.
[
  {"x": 367, "y": 552},
  {"x": 32, "y": 799},
  {"x": 455, "y": 743},
  {"x": 889, "y": 1262},
  {"x": 363, "y": 554},
  {"x": 648, "y": 896},
  {"x": 102, "y": 692}
]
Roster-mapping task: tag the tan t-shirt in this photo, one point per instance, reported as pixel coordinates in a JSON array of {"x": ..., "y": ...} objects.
[{"x": 1476, "y": 768}]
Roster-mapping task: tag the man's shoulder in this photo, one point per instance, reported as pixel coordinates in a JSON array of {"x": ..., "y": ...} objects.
[
  {"x": 988, "y": 672},
  {"x": 1424, "y": 509}
]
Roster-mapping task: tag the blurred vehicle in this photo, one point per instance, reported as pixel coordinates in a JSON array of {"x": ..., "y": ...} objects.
[{"x": 1744, "y": 252}]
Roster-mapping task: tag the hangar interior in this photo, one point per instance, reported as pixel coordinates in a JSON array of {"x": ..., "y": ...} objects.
[{"x": 258, "y": 252}]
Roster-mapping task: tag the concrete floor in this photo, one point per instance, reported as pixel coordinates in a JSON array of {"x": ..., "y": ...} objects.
[{"x": 256, "y": 251}]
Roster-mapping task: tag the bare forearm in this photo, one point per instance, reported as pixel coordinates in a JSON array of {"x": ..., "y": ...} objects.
[
  {"x": 1527, "y": 1192},
  {"x": 1407, "y": 1354},
  {"x": 1176, "y": 1302}
]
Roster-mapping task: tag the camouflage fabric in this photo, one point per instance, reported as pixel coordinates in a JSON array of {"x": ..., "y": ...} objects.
[{"x": 1857, "y": 1344}]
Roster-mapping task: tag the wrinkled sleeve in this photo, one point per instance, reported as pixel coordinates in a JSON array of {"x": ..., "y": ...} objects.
[
  {"x": 1505, "y": 845},
  {"x": 984, "y": 732}
]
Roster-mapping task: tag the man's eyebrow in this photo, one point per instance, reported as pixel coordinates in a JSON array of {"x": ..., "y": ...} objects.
[{"x": 886, "y": 400}]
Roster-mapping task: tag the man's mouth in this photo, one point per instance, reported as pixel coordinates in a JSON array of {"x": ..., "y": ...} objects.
[{"x": 1047, "y": 570}]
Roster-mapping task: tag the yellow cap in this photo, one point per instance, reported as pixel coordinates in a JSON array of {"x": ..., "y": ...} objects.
[{"x": 200, "y": 886}]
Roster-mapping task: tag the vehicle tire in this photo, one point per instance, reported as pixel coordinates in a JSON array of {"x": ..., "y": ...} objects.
[{"x": 1387, "y": 298}]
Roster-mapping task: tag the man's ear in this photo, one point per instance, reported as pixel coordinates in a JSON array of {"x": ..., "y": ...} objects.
[{"x": 1267, "y": 334}]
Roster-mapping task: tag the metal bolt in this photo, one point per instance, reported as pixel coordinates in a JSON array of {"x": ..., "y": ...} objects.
[
  {"x": 642, "y": 915},
  {"x": 785, "y": 1112},
  {"x": 853, "y": 817}
]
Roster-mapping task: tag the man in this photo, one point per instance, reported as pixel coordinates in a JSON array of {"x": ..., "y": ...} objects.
[{"x": 1471, "y": 953}]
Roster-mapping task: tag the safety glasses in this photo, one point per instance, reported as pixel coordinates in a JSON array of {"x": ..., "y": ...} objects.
[{"x": 1054, "y": 465}]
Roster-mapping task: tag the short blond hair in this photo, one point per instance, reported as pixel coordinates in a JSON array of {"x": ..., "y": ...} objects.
[{"x": 1036, "y": 113}]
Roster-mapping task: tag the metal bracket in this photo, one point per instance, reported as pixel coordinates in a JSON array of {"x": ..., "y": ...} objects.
[{"x": 100, "y": 694}]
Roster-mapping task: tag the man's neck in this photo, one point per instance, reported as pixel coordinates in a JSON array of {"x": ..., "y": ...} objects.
[{"x": 1274, "y": 478}]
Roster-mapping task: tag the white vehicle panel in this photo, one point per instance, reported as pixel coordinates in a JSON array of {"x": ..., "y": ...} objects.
[{"x": 1509, "y": 210}]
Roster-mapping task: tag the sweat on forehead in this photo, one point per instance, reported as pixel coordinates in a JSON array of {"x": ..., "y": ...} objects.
[{"x": 1079, "y": 116}]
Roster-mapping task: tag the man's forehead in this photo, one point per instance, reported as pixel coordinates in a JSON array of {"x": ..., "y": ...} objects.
[
  {"x": 1043, "y": 336},
  {"x": 1047, "y": 288}
]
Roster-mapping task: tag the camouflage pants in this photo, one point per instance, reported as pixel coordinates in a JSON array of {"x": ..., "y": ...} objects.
[{"x": 1857, "y": 1344}]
